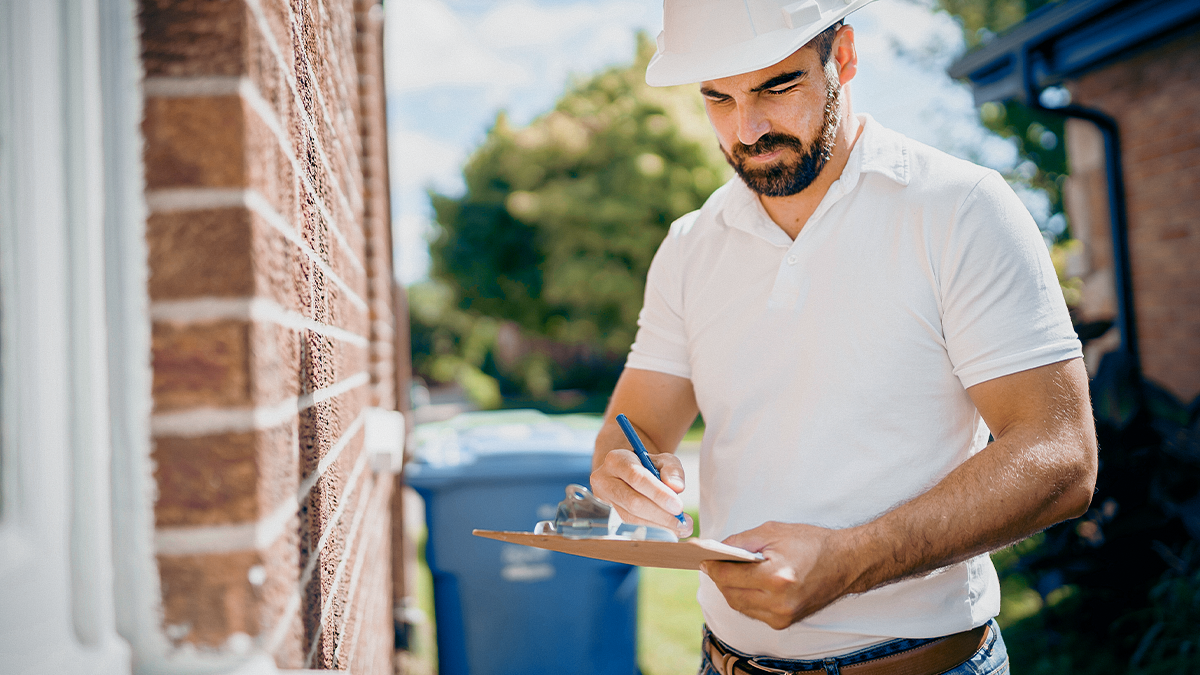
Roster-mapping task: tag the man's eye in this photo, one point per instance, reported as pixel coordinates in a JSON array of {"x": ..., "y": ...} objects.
[{"x": 781, "y": 91}]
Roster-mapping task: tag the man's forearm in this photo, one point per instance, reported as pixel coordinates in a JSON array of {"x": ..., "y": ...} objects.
[
  {"x": 968, "y": 513},
  {"x": 661, "y": 408},
  {"x": 1036, "y": 473}
]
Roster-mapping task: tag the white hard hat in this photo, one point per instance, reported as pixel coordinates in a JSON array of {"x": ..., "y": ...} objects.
[{"x": 709, "y": 39}]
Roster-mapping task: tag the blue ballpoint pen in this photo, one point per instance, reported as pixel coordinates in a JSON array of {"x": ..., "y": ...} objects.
[{"x": 640, "y": 451}]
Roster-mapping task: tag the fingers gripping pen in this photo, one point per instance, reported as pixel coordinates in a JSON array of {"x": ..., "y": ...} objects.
[{"x": 640, "y": 451}]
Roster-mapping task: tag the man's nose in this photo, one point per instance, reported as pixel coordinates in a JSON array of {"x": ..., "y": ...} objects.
[{"x": 752, "y": 124}]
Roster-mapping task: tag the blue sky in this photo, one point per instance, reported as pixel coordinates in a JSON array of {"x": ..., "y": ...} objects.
[{"x": 452, "y": 64}]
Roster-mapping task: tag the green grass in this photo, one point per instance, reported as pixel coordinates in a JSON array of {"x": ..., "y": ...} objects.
[
  {"x": 669, "y": 622},
  {"x": 669, "y": 619},
  {"x": 423, "y": 644}
]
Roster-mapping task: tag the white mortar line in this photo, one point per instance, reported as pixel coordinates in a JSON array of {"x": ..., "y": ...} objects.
[
  {"x": 206, "y": 421},
  {"x": 205, "y": 539},
  {"x": 337, "y": 389},
  {"x": 196, "y": 199},
  {"x": 208, "y": 309},
  {"x": 351, "y": 537},
  {"x": 197, "y": 422},
  {"x": 190, "y": 87}
]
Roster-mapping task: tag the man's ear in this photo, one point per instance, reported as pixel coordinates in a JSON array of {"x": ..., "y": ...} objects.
[{"x": 844, "y": 55}]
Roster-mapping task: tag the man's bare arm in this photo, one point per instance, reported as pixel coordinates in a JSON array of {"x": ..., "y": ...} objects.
[
  {"x": 1040, "y": 469},
  {"x": 662, "y": 408}
]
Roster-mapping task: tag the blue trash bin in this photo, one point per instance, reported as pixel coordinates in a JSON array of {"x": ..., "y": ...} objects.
[{"x": 505, "y": 609}]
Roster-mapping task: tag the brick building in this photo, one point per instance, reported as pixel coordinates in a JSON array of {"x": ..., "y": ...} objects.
[
  {"x": 1132, "y": 70},
  {"x": 1155, "y": 98},
  {"x": 199, "y": 338}
]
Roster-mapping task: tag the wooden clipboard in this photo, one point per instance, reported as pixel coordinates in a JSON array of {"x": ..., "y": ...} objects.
[{"x": 682, "y": 555}]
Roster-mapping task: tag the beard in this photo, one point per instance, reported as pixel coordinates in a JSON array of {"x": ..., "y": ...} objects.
[{"x": 785, "y": 178}]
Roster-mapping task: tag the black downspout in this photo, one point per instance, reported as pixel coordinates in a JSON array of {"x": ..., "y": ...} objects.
[{"x": 1119, "y": 224}]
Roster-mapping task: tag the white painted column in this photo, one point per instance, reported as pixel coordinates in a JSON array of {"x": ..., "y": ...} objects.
[{"x": 56, "y": 605}]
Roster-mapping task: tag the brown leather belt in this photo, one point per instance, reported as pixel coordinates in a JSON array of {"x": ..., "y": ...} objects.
[{"x": 930, "y": 658}]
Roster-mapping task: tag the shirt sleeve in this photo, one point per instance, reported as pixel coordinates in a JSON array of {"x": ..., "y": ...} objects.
[
  {"x": 1002, "y": 308},
  {"x": 661, "y": 342}
]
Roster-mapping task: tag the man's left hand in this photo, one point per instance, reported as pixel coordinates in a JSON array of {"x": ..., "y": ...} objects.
[{"x": 802, "y": 573}]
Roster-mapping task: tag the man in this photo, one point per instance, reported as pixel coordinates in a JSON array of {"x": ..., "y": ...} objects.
[{"x": 852, "y": 315}]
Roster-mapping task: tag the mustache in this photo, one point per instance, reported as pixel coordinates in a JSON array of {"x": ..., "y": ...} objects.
[{"x": 769, "y": 142}]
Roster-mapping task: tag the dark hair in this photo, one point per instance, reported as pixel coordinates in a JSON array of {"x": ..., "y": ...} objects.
[{"x": 823, "y": 42}]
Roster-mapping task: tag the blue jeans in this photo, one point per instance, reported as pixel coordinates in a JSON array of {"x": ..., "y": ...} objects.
[{"x": 991, "y": 659}]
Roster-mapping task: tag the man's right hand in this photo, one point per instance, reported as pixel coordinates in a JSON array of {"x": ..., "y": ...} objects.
[
  {"x": 662, "y": 407},
  {"x": 638, "y": 496}
]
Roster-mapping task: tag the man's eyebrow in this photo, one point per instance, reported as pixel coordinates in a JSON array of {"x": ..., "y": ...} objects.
[{"x": 780, "y": 79}]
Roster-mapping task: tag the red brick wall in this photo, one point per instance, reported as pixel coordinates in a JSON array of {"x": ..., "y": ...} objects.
[
  {"x": 1155, "y": 98},
  {"x": 270, "y": 273}
]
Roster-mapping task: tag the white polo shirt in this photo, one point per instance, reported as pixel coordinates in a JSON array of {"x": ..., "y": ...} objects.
[{"x": 831, "y": 371}]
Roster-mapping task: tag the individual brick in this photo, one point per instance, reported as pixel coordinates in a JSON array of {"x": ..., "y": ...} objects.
[
  {"x": 238, "y": 477},
  {"x": 206, "y": 364},
  {"x": 278, "y": 472},
  {"x": 293, "y": 647},
  {"x": 194, "y": 142},
  {"x": 271, "y": 174},
  {"x": 200, "y": 253},
  {"x": 263, "y": 67},
  {"x": 323, "y": 424},
  {"x": 347, "y": 266},
  {"x": 208, "y": 598},
  {"x": 278, "y": 267},
  {"x": 279, "y": 583},
  {"x": 317, "y": 365},
  {"x": 206, "y": 481},
  {"x": 192, "y": 37},
  {"x": 350, "y": 359},
  {"x": 275, "y": 353}
]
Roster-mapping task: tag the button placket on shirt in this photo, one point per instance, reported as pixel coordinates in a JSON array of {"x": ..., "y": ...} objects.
[{"x": 792, "y": 280}]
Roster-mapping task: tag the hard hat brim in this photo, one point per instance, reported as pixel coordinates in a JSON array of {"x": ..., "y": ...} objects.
[{"x": 668, "y": 69}]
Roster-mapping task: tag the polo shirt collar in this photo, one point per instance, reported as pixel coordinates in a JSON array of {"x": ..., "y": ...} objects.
[{"x": 878, "y": 150}]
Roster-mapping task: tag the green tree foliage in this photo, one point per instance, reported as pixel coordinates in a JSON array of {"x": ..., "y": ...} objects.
[
  {"x": 561, "y": 218},
  {"x": 1037, "y": 134}
]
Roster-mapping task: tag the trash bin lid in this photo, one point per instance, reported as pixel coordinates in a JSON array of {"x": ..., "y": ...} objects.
[{"x": 504, "y": 436}]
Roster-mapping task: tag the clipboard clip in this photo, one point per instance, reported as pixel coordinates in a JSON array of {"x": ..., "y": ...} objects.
[{"x": 582, "y": 516}]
